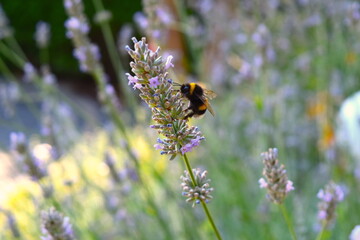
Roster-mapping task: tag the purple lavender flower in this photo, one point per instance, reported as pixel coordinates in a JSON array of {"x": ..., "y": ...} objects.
[
  {"x": 75, "y": 24},
  {"x": 133, "y": 80},
  {"x": 42, "y": 34},
  {"x": 154, "y": 82},
  {"x": 200, "y": 192},
  {"x": 168, "y": 63},
  {"x": 329, "y": 197},
  {"x": 166, "y": 104},
  {"x": 26, "y": 160},
  {"x": 276, "y": 182},
  {"x": 55, "y": 226},
  {"x": 29, "y": 72}
]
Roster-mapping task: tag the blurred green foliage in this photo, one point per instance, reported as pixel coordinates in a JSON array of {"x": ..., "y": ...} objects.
[{"x": 24, "y": 15}]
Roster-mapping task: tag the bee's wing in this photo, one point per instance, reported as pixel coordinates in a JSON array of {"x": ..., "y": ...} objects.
[
  {"x": 207, "y": 104},
  {"x": 209, "y": 94}
]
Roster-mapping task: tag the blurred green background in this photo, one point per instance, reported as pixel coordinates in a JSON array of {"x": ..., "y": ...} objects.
[{"x": 282, "y": 71}]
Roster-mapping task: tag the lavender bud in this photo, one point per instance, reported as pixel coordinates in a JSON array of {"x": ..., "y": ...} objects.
[
  {"x": 55, "y": 226},
  {"x": 276, "y": 182}
]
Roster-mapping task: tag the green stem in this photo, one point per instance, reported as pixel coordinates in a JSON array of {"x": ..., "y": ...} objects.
[
  {"x": 11, "y": 41},
  {"x": 115, "y": 58},
  {"x": 208, "y": 214},
  {"x": 11, "y": 55},
  {"x": 321, "y": 233},
  {"x": 98, "y": 75},
  {"x": 287, "y": 220}
]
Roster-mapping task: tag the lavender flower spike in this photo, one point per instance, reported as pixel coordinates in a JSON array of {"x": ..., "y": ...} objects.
[
  {"x": 156, "y": 89},
  {"x": 23, "y": 156},
  {"x": 329, "y": 197},
  {"x": 276, "y": 181},
  {"x": 55, "y": 226},
  {"x": 200, "y": 192}
]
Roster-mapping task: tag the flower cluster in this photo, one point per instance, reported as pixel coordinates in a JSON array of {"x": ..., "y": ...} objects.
[
  {"x": 77, "y": 25},
  {"x": 156, "y": 19},
  {"x": 42, "y": 34},
  {"x": 29, "y": 163},
  {"x": 156, "y": 89},
  {"x": 12, "y": 223},
  {"x": 55, "y": 226},
  {"x": 276, "y": 182},
  {"x": 330, "y": 196},
  {"x": 198, "y": 192}
]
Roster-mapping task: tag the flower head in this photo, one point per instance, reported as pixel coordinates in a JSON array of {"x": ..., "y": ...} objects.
[
  {"x": 77, "y": 26},
  {"x": 54, "y": 226},
  {"x": 154, "y": 82},
  {"x": 196, "y": 193},
  {"x": 329, "y": 197},
  {"x": 168, "y": 63},
  {"x": 29, "y": 163},
  {"x": 355, "y": 233},
  {"x": 42, "y": 34},
  {"x": 132, "y": 79},
  {"x": 156, "y": 89},
  {"x": 276, "y": 182}
]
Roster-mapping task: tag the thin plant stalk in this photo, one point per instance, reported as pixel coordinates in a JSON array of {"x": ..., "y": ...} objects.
[
  {"x": 287, "y": 220},
  {"x": 98, "y": 75},
  {"x": 114, "y": 57},
  {"x": 321, "y": 233},
  {"x": 19, "y": 62},
  {"x": 208, "y": 214}
]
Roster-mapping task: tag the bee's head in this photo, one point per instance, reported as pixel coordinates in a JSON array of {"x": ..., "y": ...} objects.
[{"x": 185, "y": 88}]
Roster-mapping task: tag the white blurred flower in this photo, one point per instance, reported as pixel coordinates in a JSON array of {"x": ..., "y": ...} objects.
[
  {"x": 348, "y": 130},
  {"x": 355, "y": 233}
]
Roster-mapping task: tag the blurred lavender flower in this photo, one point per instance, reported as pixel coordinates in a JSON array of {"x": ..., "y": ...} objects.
[
  {"x": 9, "y": 96},
  {"x": 12, "y": 223},
  {"x": 88, "y": 56},
  {"x": 5, "y": 29},
  {"x": 29, "y": 72},
  {"x": 30, "y": 164},
  {"x": 47, "y": 76},
  {"x": 54, "y": 226},
  {"x": 156, "y": 20},
  {"x": 42, "y": 34},
  {"x": 353, "y": 13},
  {"x": 196, "y": 193},
  {"x": 77, "y": 25},
  {"x": 329, "y": 197},
  {"x": 156, "y": 89},
  {"x": 110, "y": 162},
  {"x": 124, "y": 37},
  {"x": 141, "y": 20},
  {"x": 355, "y": 233},
  {"x": 276, "y": 182}
]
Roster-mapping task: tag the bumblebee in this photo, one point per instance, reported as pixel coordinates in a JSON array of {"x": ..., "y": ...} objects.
[{"x": 199, "y": 99}]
